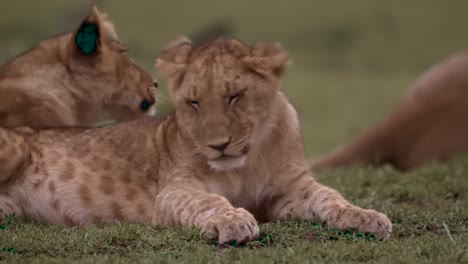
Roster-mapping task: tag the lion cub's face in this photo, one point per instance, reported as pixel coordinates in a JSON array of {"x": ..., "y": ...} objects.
[
  {"x": 134, "y": 90},
  {"x": 223, "y": 92},
  {"x": 98, "y": 60}
]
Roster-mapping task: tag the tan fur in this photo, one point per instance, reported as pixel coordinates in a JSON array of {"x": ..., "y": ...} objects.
[
  {"x": 54, "y": 84},
  {"x": 220, "y": 165},
  {"x": 430, "y": 124}
]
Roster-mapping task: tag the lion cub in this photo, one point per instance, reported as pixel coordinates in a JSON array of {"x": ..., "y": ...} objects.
[
  {"x": 75, "y": 79},
  {"x": 230, "y": 155}
]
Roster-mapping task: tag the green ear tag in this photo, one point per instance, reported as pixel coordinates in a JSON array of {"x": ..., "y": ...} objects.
[{"x": 86, "y": 38}]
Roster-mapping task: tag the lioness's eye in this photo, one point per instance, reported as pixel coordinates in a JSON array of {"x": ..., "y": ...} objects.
[
  {"x": 155, "y": 84},
  {"x": 144, "y": 105}
]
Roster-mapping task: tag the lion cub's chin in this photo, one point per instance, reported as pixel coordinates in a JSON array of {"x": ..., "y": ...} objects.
[{"x": 227, "y": 164}]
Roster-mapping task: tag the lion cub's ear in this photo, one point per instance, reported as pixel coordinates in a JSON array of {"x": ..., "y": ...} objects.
[
  {"x": 94, "y": 31},
  {"x": 172, "y": 60},
  {"x": 267, "y": 59}
]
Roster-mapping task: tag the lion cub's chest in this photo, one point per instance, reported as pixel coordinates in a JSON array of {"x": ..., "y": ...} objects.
[{"x": 242, "y": 188}]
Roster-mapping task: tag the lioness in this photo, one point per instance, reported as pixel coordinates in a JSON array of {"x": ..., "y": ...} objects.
[
  {"x": 75, "y": 79},
  {"x": 230, "y": 154},
  {"x": 429, "y": 124}
]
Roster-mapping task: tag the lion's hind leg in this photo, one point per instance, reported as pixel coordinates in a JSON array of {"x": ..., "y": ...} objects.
[
  {"x": 8, "y": 208},
  {"x": 14, "y": 152}
]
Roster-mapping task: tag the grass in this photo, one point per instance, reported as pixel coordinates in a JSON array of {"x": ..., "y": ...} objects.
[
  {"x": 352, "y": 62},
  {"x": 420, "y": 205}
]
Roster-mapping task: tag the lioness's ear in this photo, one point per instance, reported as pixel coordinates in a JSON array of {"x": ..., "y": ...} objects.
[
  {"x": 172, "y": 60},
  {"x": 267, "y": 59},
  {"x": 94, "y": 31}
]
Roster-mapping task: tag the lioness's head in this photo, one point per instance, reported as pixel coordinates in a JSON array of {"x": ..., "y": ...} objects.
[
  {"x": 223, "y": 93},
  {"x": 99, "y": 64},
  {"x": 102, "y": 60}
]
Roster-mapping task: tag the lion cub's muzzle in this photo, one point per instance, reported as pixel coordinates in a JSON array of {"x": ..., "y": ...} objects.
[{"x": 223, "y": 154}]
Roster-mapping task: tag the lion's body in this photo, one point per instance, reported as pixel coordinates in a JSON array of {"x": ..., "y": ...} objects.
[
  {"x": 180, "y": 171},
  {"x": 54, "y": 84},
  {"x": 430, "y": 123},
  {"x": 79, "y": 176}
]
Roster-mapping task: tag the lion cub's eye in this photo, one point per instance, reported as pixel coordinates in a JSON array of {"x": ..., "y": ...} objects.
[
  {"x": 193, "y": 103},
  {"x": 234, "y": 98},
  {"x": 144, "y": 105},
  {"x": 155, "y": 84}
]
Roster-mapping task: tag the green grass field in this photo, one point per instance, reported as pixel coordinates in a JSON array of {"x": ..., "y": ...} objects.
[{"x": 351, "y": 63}]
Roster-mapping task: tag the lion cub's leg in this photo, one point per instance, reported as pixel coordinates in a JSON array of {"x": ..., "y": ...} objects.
[
  {"x": 8, "y": 207},
  {"x": 307, "y": 199},
  {"x": 212, "y": 213}
]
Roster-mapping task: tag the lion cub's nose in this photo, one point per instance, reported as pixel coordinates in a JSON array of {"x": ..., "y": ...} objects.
[{"x": 220, "y": 144}]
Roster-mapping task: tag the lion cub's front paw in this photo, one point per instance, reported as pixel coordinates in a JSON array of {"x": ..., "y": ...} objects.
[
  {"x": 234, "y": 225},
  {"x": 366, "y": 221}
]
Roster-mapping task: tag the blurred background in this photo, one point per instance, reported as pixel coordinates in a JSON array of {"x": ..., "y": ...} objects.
[{"x": 352, "y": 60}]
